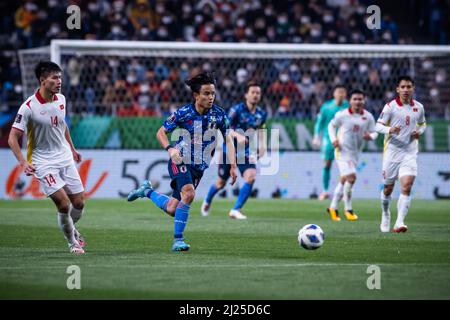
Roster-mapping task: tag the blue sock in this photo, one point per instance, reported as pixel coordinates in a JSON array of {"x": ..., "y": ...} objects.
[
  {"x": 326, "y": 176},
  {"x": 211, "y": 193},
  {"x": 244, "y": 193},
  {"x": 181, "y": 216},
  {"x": 160, "y": 200}
]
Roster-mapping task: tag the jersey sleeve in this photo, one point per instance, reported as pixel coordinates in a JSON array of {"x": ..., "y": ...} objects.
[
  {"x": 225, "y": 125},
  {"x": 172, "y": 122},
  {"x": 22, "y": 118},
  {"x": 233, "y": 118},
  {"x": 385, "y": 115},
  {"x": 334, "y": 123},
  {"x": 371, "y": 127},
  {"x": 421, "y": 120},
  {"x": 318, "y": 126}
]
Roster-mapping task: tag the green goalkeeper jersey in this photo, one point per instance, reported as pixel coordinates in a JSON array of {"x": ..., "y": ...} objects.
[{"x": 327, "y": 111}]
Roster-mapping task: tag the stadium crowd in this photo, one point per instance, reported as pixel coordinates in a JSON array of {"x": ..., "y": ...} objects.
[{"x": 135, "y": 87}]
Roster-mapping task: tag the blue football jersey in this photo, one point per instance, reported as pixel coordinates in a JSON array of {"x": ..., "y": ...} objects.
[
  {"x": 200, "y": 129},
  {"x": 242, "y": 119}
]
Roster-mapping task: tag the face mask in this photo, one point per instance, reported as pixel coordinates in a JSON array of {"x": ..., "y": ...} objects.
[
  {"x": 92, "y": 7},
  {"x": 268, "y": 12},
  {"x": 17, "y": 88},
  {"x": 116, "y": 30},
  {"x": 52, "y": 3},
  {"x": 118, "y": 5},
  {"x": 248, "y": 32},
  {"x": 209, "y": 30},
  {"x": 54, "y": 30},
  {"x": 440, "y": 78},
  {"x": 240, "y": 23},
  {"x": 160, "y": 8},
  {"x": 306, "y": 80},
  {"x": 162, "y": 32},
  {"x": 131, "y": 79},
  {"x": 198, "y": 19},
  {"x": 144, "y": 88},
  {"x": 315, "y": 32},
  {"x": 363, "y": 68},
  {"x": 305, "y": 19},
  {"x": 226, "y": 8},
  {"x": 284, "y": 77},
  {"x": 144, "y": 32},
  {"x": 385, "y": 68},
  {"x": 282, "y": 20},
  {"x": 434, "y": 92},
  {"x": 227, "y": 83},
  {"x": 328, "y": 18},
  {"x": 343, "y": 67},
  {"x": 293, "y": 68},
  {"x": 187, "y": 8},
  {"x": 427, "y": 64}
]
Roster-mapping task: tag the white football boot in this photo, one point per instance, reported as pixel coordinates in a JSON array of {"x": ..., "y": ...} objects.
[{"x": 236, "y": 214}]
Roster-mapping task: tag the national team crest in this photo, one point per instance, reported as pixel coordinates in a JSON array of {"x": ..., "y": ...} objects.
[
  {"x": 213, "y": 123},
  {"x": 183, "y": 169},
  {"x": 171, "y": 118},
  {"x": 61, "y": 107},
  {"x": 415, "y": 109}
]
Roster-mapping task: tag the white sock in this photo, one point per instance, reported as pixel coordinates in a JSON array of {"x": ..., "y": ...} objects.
[
  {"x": 403, "y": 205},
  {"x": 385, "y": 202},
  {"x": 348, "y": 195},
  {"x": 75, "y": 213},
  {"x": 337, "y": 196},
  {"x": 66, "y": 224}
]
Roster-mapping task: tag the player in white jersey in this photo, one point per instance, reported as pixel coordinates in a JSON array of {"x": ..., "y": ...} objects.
[
  {"x": 402, "y": 121},
  {"x": 354, "y": 125},
  {"x": 50, "y": 151}
]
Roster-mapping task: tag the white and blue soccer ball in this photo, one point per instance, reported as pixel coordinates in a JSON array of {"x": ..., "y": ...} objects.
[{"x": 311, "y": 237}]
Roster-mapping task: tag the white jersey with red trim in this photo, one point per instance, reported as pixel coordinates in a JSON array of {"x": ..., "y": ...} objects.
[
  {"x": 351, "y": 128},
  {"x": 401, "y": 146},
  {"x": 45, "y": 125}
]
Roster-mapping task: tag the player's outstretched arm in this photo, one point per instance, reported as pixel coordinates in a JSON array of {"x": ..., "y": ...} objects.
[
  {"x": 76, "y": 155},
  {"x": 163, "y": 140},
  {"x": 13, "y": 141}
]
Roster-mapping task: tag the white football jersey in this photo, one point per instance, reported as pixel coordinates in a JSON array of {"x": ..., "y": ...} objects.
[
  {"x": 45, "y": 125},
  {"x": 351, "y": 128},
  {"x": 399, "y": 147}
]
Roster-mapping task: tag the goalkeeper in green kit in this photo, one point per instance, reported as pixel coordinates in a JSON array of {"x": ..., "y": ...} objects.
[{"x": 327, "y": 111}]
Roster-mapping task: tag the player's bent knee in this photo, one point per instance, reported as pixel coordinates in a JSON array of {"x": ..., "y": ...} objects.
[
  {"x": 78, "y": 204},
  {"x": 188, "y": 196},
  {"x": 63, "y": 206}
]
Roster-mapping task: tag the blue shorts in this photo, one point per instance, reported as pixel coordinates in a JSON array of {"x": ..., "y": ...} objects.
[
  {"x": 224, "y": 169},
  {"x": 182, "y": 175}
]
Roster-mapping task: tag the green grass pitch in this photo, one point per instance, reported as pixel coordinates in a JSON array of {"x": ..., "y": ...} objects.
[{"x": 128, "y": 253}]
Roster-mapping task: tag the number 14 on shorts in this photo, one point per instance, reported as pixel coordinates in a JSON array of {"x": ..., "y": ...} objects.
[{"x": 50, "y": 179}]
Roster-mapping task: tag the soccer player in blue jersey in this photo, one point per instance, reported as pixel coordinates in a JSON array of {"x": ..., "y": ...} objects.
[
  {"x": 327, "y": 111},
  {"x": 243, "y": 116},
  {"x": 200, "y": 121}
]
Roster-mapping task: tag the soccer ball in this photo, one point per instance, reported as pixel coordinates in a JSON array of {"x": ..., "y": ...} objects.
[{"x": 311, "y": 237}]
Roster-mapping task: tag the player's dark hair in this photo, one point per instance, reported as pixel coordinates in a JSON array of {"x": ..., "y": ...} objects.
[
  {"x": 45, "y": 68},
  {"x": 404, "y": 78},
  {"x": 339, "y": 86},
  {"x": 357, "y": 91},
  {"x": 251, "y": 84},
  {"x": 196, "y": 82}
]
